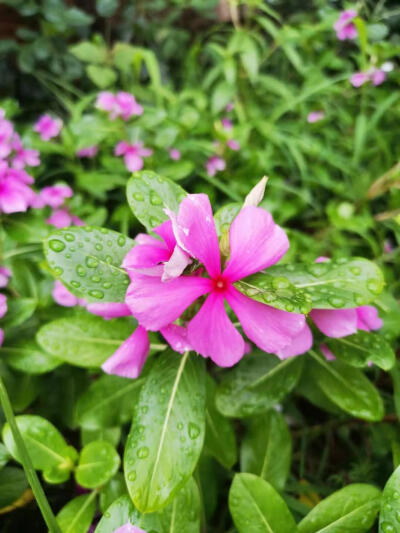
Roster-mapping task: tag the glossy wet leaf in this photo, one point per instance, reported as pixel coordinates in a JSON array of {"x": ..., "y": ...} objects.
[
  {"x": 85, "y": 341},
  {"x": 149, "y": 194},
  {"x": 13, "y": 484},
  {"x": 122, "y": 512},
  {"x": 256, "y": 384},
  {"x": 183, "y": 513},
  {"x": 88, "y": 262},
  {"x": 26, "y": 356},
  {"x": 167, "y": 431},
  {"x": 256, "y": 507},
  {"x": 267, "y": 449},
  {"x": 348, "y": 388},
  {"x": 343, "y": 283},
  {"x": 77, "y": 515},
  {"x": 389, "y": 516},
  {"x": 359, "y": 349},
  {"x": 98, "y": 462},
  {"x": 220, "y": 440},
  {"x": 348, "y": 510},
  {"x": 109, "y": 401}
]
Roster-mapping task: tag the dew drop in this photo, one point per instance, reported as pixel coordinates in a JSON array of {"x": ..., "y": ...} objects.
[
  {"x": 96, "y": 294},
  {"x": 80, "y": 271},
  {"x": 374, "y": 286},
  {"x": 138, "y": 196},
  {"x": 121, "y": 241},
  {"x": 69, "y": 237},
  {"x": 75, "y": 284},
  {"x": 98, "y": 246},
  {"x": 155, "y": 199},
  {"x": 143, "y": 452},
  {"x": 193, "y": 430},
  {"x": 336, "y": 302},
  {"x": 56, "y": 245},
  {"x": 91, "y": 262}
]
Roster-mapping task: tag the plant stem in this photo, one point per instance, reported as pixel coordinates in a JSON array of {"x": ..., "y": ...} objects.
[{"x": 25, "y": 459}]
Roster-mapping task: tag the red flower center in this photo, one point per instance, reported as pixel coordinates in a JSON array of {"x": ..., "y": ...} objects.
[{"x": 220, "y": 284}]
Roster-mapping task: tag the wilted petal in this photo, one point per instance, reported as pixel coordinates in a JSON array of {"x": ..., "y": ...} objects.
[
  {"x": 212, "y": 334},
  {"x": 256, "y": 242},
  {"x": 335, "y": 322},
  {"x": 367, "y": 318},
  {"x": 301, "y": 343},
  {"x": 130, "y": 357},
  {"x": 176, "y": 336}
]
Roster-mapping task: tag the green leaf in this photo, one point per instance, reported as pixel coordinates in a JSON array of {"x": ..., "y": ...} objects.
[
  {"x": 18, "y": 311},
  {"x": 223, "y": 93},
  {"x": 88, "y": 262},
  {"x": 149, "y": 194},
  {"x": 267, "y": 449},
  {"x": 348, "y": 388},
  {"x": 89, "y": 130},
  {"x": 256, "y": 384},
  {"x": 122, "y": 512},
  {"x": 345, "y": 283},
  {"x": 26, "y": 356},
  {"x": 390, "y": 504},
  {"x": 112, "y": 490},
  {"x": 183, "y": 513},
  {"x": 101, "y": 76},
  {"x": 167, "y": 431},
  {"x": 357, "y": 350},
  {"x": 98, "y": 462},
  {"x": 77, "y": 515},
  {"x": 13, "y": 484},
  {"x": 85, "y": 341},
  {"x": 106, "y": 8},
  {"x": 224, "y": 217},
  {"x": 351, "y": 509},
  {"x": 4, "y": 455},
  {"x": 108, "y": 402},
  {"x": 256, "y": 507},
  {"x": 47, "y": 447},
  {"x": 220, "y": 439},
  {"x": 275, "y": 291},
  {"x": 89, "y": 52}
]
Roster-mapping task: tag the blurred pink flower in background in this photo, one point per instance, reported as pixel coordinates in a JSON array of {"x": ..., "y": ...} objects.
[
  {"x": 375, "y": 75},
  {"x": 3, "y": 311},
  {"x": 48, "y": 127},
  {"x": 344, "y": 27},
  {"x": 215, "y": 164},
  {"x": 226, "y": 123},
  {"x": 315, "y": 116},
  {"x": 133, "y": 154},
  {"x": 63, "y": 218},
  {"x": 6, "y": 134},
  {"x": 174, "y": 154},
  {"x": 129, "y": 528},
  {"x": 63, "y": 297},
  {"x": 229, "y": 107},
  {"x": 15, "y": 193},
  {"x": 233, "y": 145},
  {"x": 122, "y": 104},
  {"x": 5, "y": 274},
  {"x": 53, "y": 196},
  {"x": 90, "y": 151},
  {"x": 23, "y": 156}
]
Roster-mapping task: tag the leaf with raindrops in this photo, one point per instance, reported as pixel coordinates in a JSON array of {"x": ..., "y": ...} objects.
[
  {"x": 150, "y": 194},
  {"x": 336, "y": 284},
  {"x": 389, "y": 517},
  {"x": 88, "y": 261}
]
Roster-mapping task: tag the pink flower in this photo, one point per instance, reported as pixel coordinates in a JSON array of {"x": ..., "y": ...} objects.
[
  {"x": 378, "y": 76},
  {"x": 48, "y": 127},
  {"x": 23, "y": 156},
  {"x": 3, "y": 311},
  {"x": 229, "y": 107},
  {"x": 63, "y": 297},
  {"x": 233, "y": 145},
  {"x": 54, "y": 195},
  {"x": 62, "y": 218},
  {"x": 214, "y": 165},
  {"x": 174, "y": 154},
  {"x": 90, "y": 151},
  {"x": 256, "y": 243},
  {"x": 133, "y": 154},
  {"x": 129, "y": 528},
  {"x": 374, "y": 75},
  {"x": 315, "y": 116},
  {"x": 5, "y": 274},
  {"x": 15, "y": 194},
  {"x": 227, "y": 123},
  {"x": 344, "y": 27},
  {"x": 122, "y": 104}
]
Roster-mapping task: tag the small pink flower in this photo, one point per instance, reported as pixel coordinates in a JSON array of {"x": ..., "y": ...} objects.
[
  {"x": 344, "y": 27},
  {"x": 227, "y": 123},
  {"x": 174, "y": 154},
  {"x": 374, "y": 75},
  {"x": 15, "y": 194},
  {"x": 23, "y": 156},
  {"x": 5, "y": 274},
  {"x": 378, "y": 76},
  {"x": 55, "y": 195},
  {"x": 129, "y": 528},
  {"x": 229, "y": 107},
  {"x": 122, "y": 104},
  {"x": 3, "y": 305},
  {"x": 215, "y": 164},
  {"x": 48, "y": 127},
  {"x": 62, "y": 296},
  {"x": 315, "y": 116},
  {"x": 233, "y": 145},
  {"x": 133, "y": 154},
  {"x": 62, "y": 218},
  {"x": 388, "y": 247},
  {"x": 90, "y": 152}
]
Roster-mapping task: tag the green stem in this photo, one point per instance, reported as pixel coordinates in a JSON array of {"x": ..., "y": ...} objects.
[{"x": 30, "y": 472}]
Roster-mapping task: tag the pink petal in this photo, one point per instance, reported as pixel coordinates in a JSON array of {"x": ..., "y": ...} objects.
[
  {"x": 105, "y": 101},
  {"x": 328, "y": 354},
  {"x": 130, "y": 357},
  {"x": 270, "y": 329},
  {"x": 129, "y": 528},
  {"x": 335, "y": 322},
  {"x": 1, "y": 336},
  {"x": 358, "y": 79},
  {"x": 155, "y": 303},
  {"x": 145, "y": 256},
  {"x": 59, "y": 218},
  {"x": 377, "y": 77},
  {"x": 301, "y": 343},
  {"x": 212, "y": 334},
  {"x": 166, "y": 232},
  {"x": 195, "y": 231},
  {"x": 109, "y": 309},
  {"x": 176, "y": 264},
  {"x": 62, "y": 296},
  {"x": 121, "y": 148},
  {"x": 3, "y": 305},
  {"x": 5, "y": 274},
  {"x": 133, "y": 162},
  {"x": 176, "y": 336},
  {"x": 367, "y": 318},
  {"x": 143, "y": 238},
  {"x": 256, "y": 242}
]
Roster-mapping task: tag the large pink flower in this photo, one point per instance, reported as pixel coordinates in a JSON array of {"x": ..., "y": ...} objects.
[
  {"x": 48, "y": 127},
  {"x": 122, "y": 104},
  {"x": 133, "y": 154},
  {"x": 256, "y": 243},
  {"x": 15, "y": 193},
  {"x": 344, "y": 27}
]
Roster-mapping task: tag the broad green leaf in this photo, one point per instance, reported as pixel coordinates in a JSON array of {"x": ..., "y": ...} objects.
[
  {"x": 88, "y": 262},
  {"x": 13, "y": 484},
  {"x": 89, "y": 130},
  {"x": 223, "y": 93},
  {"x": 98, "y": 462},
  {"x": 256, "y": 507},
  {"x": 348, "y": 388},
  {"x": 267, "y": 449},
  {"x": 183, "y": 513},
  {"x": 26, "y": 356},
  {"x": 256, "y": 384},
  {"x": 77, "y": 515},
  {"x": 359, "y": 349},
  {"x": 4, "y": 455},
  {"x": 349, "y": 510},
  {"x": 220, "y": 439},
  {"x": 390, "y": 504},
  {"x": 112, "y": 490},
  {"x": 167, "y": 431},
  {"x": 108, "y": 402},
  {"x": 18, "y": 311},
  {"x": 122, "y": 512},
  {"x": 101, "y": 76},
  {"x": 149, "y": 195},
  {"x": 26, "y": 228},
  {"x": 111, "y": 435},
  {"x": 89, "y": 52},
  {"x": 85, "y": 341},
  {"x": 344, "y": 283},
  {"x": 47, "y": 447},
  {"x": 275, "y": 291}
]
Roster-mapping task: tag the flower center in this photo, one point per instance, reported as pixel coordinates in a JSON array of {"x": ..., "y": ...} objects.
[{"x": 220, "y": 284}]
